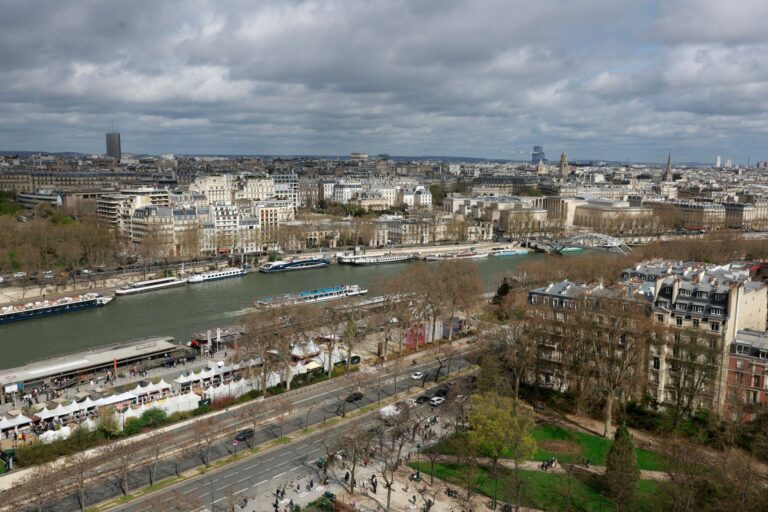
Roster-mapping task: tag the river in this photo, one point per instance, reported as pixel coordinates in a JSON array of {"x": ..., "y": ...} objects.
[{"x": 181, "y": 312}]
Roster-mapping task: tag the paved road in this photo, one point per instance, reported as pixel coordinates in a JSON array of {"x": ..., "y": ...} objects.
[{"x": 316, "y": 405}]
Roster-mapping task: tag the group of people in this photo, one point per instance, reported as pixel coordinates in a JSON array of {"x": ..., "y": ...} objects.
[{"x": 548, "y": 464}]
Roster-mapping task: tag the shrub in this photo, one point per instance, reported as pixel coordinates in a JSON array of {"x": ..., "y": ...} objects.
[{"x": 203, "y": 409}]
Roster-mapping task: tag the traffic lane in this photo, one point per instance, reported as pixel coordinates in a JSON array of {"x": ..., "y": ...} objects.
[
  {"x": 255, "y": 474},
  {"x": 321, "y": 412}
]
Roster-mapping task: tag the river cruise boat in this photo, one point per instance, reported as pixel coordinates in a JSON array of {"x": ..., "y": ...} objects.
[
  {"x": 381, "y": 259},
  {"x": 509, "y": 252},
  {"x": 294, "y": 264},
  {"x": 213, "y": 275},
  {"x": 468, "y": 255},
  {"x": 151, "y": 285},
  {"x": 571, "y": 250},
  {"x": 37, "y": 309},
  {"x": 312, "y": 296}
]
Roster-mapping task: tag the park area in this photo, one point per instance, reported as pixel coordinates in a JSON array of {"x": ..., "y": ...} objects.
[{"x": 571, "y": 485}]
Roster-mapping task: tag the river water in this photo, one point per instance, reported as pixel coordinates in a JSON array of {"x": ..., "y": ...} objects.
[{"x": 183, "y": 311}]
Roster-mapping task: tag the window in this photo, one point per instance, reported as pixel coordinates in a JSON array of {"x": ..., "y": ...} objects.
[
  {"x": 659, "y": 318},
  {"x": 755, "y": 381},
  {"x": 714, "y": 326},
  {"x": 656, "y": 363},
  {"x": 739, "y": 365},
  {"x": 679, "y": 321}
]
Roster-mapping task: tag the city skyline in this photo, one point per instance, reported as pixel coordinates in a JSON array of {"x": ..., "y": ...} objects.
[{"x": 598, "y": 80}]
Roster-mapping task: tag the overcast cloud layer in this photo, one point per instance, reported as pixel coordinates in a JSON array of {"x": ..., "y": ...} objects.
[{"x": 598, "y": 78}]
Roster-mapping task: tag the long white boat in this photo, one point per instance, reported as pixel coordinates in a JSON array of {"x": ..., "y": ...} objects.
[
  {"x": 152, "y": 284},
  {"x": 37, "y": 309},
  {"x": 294, "y": 264},
  {"x": 471, "y": 255},
  {"x": 509, "y": 252},
  {"x": 312, "y": 296},
  {"x": 362, "y": 259},
  {"x": 216, "y": 274}
]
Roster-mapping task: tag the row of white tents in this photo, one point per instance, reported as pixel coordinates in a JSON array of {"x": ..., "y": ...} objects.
[{"x": 156, "y": 395}]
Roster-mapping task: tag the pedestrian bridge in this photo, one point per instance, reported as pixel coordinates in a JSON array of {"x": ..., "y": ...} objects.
[{"x": 582, "y": 241}]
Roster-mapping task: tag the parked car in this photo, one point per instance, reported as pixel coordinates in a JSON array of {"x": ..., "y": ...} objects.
[
  {"x": 417, "y": 375},
  {"x": 461, "y": 398},
  {"x": 436, "y": 400},
  {"x": 442, "y": 392},
  {"x": 244, "y": 435},
  {"x": 354, "y": 396},
  {"x": 423, "y": 399},
  {"x": 20, "y": 275}
]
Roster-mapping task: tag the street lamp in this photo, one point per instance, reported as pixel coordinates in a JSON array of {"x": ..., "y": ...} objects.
[{"x": 418, "y": 461}]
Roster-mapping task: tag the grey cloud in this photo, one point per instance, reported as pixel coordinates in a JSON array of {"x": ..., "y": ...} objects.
[{"x": 597, "y": 77}]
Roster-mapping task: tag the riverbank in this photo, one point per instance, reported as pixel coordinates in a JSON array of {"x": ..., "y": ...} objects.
[{"x": 107, "y": 285}]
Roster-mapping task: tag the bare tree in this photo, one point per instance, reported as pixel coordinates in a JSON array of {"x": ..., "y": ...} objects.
[
  {"x": 355, "y": 445},
  {"x": 390, "y": 458},
  {"x": 205, "y": 433},
  {"x": 124, "y": 456},
  {"x": 154, "y": 447},
  {"x": 460, "y": 285}
]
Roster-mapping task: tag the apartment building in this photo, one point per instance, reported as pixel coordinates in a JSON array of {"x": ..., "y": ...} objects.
[
  {"x": 747, "y": 394},
  {"x": 703, "y": 307}
]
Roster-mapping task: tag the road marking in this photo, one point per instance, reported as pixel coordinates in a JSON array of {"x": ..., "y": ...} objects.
[
  {"x": 259, "y": 483},
  {"x": 243, "y": 479},
  {"x": 277, "y": 476},
  {"x": 294, "y": 469},
  {"x": 241, "y": 490}
]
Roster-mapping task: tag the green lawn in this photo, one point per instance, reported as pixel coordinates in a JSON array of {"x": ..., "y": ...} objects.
[
  {"x": 592, "y": 447},
  {"x": 589, "y": 446},
  {"x": 545, "y": 491}
]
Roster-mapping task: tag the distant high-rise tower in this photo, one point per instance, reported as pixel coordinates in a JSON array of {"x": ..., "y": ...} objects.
[
  {"x": 668, "y": 171},
  {"x": 538, "y": 155},
  {"x": 564, "y": 165},
  {"x": 718, "y": 162},
  {"x": 113, "y": 146}
]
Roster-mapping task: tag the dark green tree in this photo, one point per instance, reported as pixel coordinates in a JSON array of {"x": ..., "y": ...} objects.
[{"x": 621, "y": 471}]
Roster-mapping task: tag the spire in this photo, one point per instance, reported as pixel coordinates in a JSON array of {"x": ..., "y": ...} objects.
[
  {"x": 668, "y": 170},
  {"x": 563, "y": 165}
]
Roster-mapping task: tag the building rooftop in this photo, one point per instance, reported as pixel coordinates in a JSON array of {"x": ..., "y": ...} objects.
[{"x": 98, "y": 357}]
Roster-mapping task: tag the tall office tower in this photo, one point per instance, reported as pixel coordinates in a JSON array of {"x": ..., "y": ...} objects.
[
  {"x": 718, "y": 162},
  {"x": 564, "y": 169},
  {"x": 113, "y": 146},
  {"x": 538, "y": 155}
]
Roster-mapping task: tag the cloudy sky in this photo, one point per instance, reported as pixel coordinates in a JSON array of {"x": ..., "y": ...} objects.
[{"x": 609, "y": 79}]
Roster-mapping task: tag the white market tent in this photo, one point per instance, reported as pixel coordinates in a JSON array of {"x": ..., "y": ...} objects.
[
  {"x": 5, "y": 423},
  {"x": 19, "y": 420},
  {"x": 115, "y": 399}
]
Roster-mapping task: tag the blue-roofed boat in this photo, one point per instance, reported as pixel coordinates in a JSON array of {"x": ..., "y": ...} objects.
[
  {"x": 311, "y": 296},
  {"x": 295, "y": 264}
]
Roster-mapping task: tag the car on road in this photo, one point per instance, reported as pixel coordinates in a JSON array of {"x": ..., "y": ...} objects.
[
  {"x": 417, "y": 375},
  {"x": 20, "y": 274},
  {"x": 442, "y": 392},
  {"x": 244, "y": 435},
  {"x": 423, "y": 399},
  {"x": 461, "y": 398},
  {"x": 354, "y": 396},
  {"x": 410, "y": 402},
  {"x": 436, "y": 400}
]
